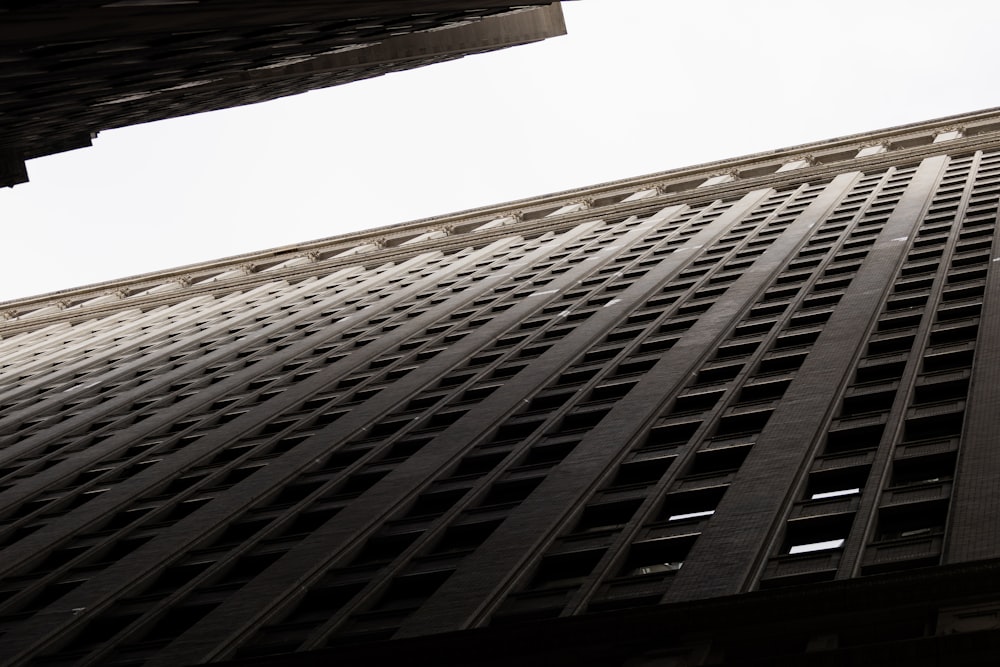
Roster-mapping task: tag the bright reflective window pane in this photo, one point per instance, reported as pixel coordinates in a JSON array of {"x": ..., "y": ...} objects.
[
  {"x": 816, "y": 546},
  {"x": 690, "y": 515},
  {"x": 834, "y": 494}
]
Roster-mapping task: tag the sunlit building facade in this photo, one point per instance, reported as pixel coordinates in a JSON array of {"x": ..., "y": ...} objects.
[{"x": 743, "y": 413}]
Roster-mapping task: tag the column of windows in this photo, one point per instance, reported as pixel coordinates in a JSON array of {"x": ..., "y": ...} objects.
[
  {"x": 456, "y": 393},
  {"x": 668, "y": 476},
  {"x": 873, "y": 410}
]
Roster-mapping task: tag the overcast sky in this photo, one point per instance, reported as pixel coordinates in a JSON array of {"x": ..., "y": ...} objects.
[{"x": 638, "y": 86}]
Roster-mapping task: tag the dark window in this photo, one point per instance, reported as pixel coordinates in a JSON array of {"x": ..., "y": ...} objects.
[
  {"x": 607, "y": 515},
  {"x": 931, "y": 426},
  {"x": 743, "y": 422},
  {"x": 435, "y": 502},
  {"x": 505, "y": 493},
  {"x": 696, "y": 401},
  {"x": 465, "y": 537},
  {"x": 911, "y": 520},
  {"x": 923, "y": 469},
  {"x": 852, "y": 439},
  {"x": 564, "y": 569},
  {"x": 648, "y": 471},
  {"x": 663, "y": 556},
  {"x": 671, "y": 435},
  {"x": 409, "y": 592},
  {"x": 478, "y": 464},
  {"x": 717, "y": 461},
  {"x": 382, "y": 549}
]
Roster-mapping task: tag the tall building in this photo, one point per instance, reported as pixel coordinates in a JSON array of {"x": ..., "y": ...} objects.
[
  {"x": 743, "y": 413},
  {"x": 71, "y": 69}
]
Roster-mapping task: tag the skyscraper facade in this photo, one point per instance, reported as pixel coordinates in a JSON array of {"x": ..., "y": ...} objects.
[
  {"x": 72, "y": 69},
  {"x": 741, "y": 413}
]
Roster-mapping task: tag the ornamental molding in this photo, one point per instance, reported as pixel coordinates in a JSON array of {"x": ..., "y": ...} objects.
[{"x": 676, "y": 184}]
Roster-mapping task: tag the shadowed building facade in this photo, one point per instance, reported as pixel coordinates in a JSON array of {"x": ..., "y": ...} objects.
[
  {"x": 71, "y": 69},
  {"x": 742, "y": 413}
]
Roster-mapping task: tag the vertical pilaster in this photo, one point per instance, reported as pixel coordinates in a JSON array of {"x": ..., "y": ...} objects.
[
  {"x": 361, "y": 517},
  {"x": 974, "y": 529},
  {"x": 502, "y": 558},
  {"x": 724, "y": 558}
]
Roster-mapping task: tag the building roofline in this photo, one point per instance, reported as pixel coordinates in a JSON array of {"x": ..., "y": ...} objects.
[{"x": 517, "y": 216}]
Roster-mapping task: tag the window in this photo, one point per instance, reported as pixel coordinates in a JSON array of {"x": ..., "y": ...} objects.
[
  {"x": 686, "y": 505},
  {"x": 565, "y": 569},
  {"x": 696, "y": 401},
  {"x": 934, "y": 424},
  {"x": 837, "y": 483},
  {"x": 821, "y": 495},
  {"x": 911, "y": 520},
  {"x": 435, "y": 503},
  {"x": 582, "y": 420},
  {"x": 780, "y": 363},
  {"x": 933, "y": 390},
  {"x": 607, "y": 515},
  {"x": 510, "y": 492},
  {"x": 647, "y": 471},
  {"x": 853, "y": 438},
  {"x": 662, "y": 556},
  {"x": 478, "y": 464},
  {"x": 814, "y": 534},
  {"x": 409, "y": 591},
  {"x": 923, "y": 469},
  {"x": 547, "y": 453},
  {"x": 465, "y": 537},
  {"x": 671, "y": 435},
  {"x": 382, "y": 549},
  {"x": 763, "y": 391},
  {"x": 321, "y": 603},
  {"x": 743, "y": 422},
  {"x": 516, "y": 431},
  {"x": 816, "y": 546},
  {"x": 719, "y": 460},
  {"x": 610, "y": 391},
  {"x": 360, "y": 482},
  {"x": 863, "y": 400}
]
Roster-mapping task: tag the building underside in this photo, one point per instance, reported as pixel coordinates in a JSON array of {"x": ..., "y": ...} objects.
[{"x": 73, "y": 69}]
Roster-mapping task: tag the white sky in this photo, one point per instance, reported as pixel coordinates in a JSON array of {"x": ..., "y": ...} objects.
[{"x": 638, "y": 86}]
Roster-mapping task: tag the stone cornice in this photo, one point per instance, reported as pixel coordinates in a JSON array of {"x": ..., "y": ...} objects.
[{"x": 523, "y": 217}]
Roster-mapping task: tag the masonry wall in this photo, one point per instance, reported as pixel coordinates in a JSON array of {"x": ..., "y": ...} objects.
[{"x": 674, "y": 397}]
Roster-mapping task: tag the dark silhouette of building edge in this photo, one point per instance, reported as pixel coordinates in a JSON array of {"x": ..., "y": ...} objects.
[
  {"x": 72, "y": 69},
  {"x": 742, "y": 413}
]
